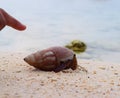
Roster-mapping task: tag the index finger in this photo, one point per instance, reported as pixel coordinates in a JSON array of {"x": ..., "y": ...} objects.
[
  {"x": 12, "y": 22},
  {"x": 2, "y": 21}
]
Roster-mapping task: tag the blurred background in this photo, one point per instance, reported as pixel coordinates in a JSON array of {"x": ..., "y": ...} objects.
[{"x": 58, "y": 22}]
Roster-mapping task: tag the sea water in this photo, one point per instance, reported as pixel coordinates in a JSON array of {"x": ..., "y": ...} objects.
[{"x": 57, "y": 22}]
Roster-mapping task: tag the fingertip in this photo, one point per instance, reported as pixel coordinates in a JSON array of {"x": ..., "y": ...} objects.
[
  {"x": 21, "y": 27},
  {"x": 18, "y": 26}
]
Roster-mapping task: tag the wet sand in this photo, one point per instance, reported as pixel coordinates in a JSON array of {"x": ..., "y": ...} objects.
[{"x": 19, "y": 80}]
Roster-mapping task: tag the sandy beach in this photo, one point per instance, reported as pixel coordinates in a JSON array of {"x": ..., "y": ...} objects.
[{"x": 19, "y": 80}]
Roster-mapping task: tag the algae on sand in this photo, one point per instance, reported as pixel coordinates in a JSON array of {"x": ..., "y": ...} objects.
[{"x": 77, "y": 46}]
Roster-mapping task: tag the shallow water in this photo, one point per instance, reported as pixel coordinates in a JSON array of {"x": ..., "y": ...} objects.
[{"x": 57, "y": 22}]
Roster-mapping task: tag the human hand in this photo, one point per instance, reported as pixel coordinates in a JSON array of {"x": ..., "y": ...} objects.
[{"x": 6, "y": 19}]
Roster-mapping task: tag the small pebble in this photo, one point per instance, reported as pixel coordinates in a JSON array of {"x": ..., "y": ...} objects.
[
  {"x": 94, "y": 72},
  {"x": 116, "y": 73},
  {"x": 18, "y": 71},
  {"x": 103, "y": 68}
]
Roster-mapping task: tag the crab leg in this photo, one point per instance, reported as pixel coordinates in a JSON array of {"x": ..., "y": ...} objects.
[{"x": 74, "y": 63}]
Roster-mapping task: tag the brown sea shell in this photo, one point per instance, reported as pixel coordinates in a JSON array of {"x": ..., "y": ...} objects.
[{"x": 53, "y": 59}]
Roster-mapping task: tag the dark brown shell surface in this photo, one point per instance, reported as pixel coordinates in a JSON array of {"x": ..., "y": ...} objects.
[{"x": 49, "y": 59}]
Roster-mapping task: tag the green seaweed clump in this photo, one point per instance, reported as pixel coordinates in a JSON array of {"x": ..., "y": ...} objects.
[{"x": 77, "y": 46}]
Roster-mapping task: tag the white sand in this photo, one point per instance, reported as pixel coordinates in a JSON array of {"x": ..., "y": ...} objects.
[{"x": 19, "y": 80}]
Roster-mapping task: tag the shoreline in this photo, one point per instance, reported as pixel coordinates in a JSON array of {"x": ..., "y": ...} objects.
[{"x": 19, "y": 80}]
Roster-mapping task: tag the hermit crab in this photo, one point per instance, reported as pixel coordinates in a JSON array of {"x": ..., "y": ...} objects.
[{"x": 53, "y": 59}]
